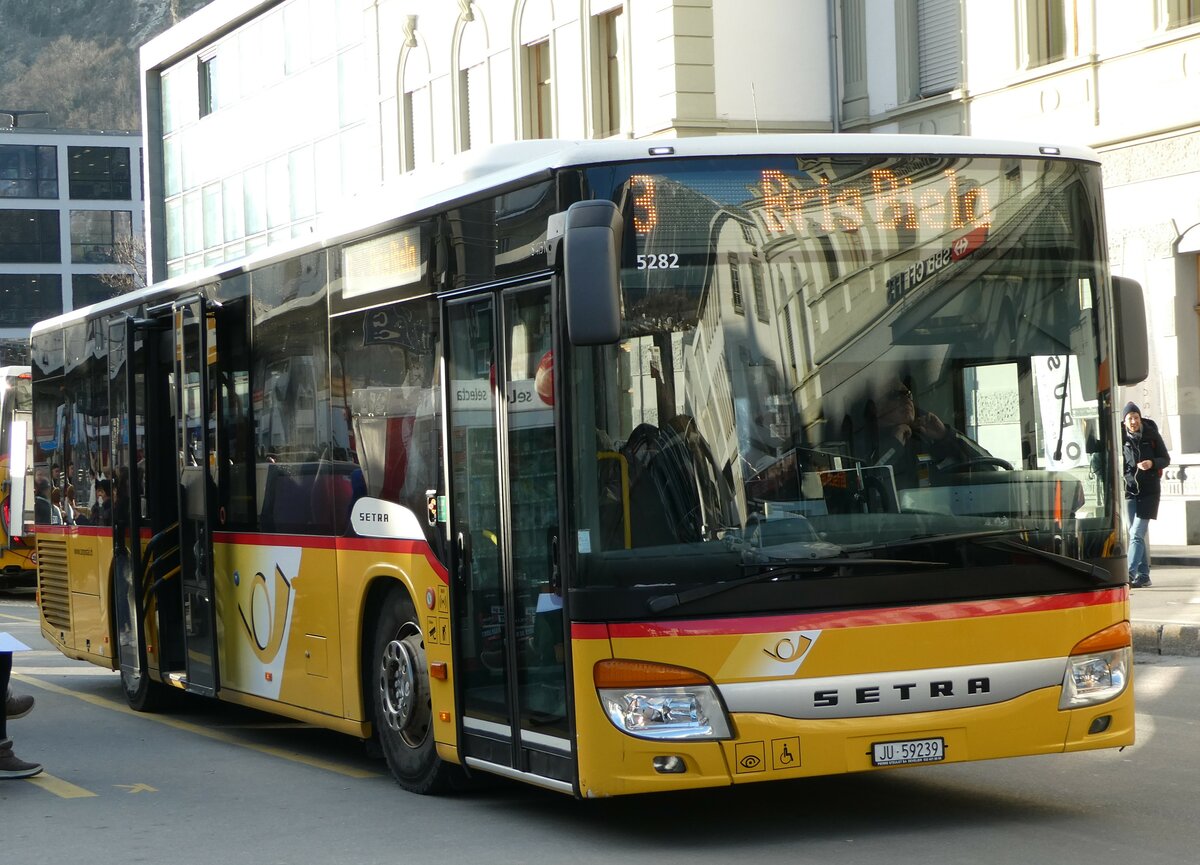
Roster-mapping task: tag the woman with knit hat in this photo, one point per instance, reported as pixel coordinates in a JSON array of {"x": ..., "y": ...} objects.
[{"x": 1145, "y": 457}]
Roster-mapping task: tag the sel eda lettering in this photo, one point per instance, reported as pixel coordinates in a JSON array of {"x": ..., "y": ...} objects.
[{"x": 471, "y": 394}]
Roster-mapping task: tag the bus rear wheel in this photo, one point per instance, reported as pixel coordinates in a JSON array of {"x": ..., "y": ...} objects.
[
  {"x": 141, "y": 692},
  {"x": 403, "y": 712}
]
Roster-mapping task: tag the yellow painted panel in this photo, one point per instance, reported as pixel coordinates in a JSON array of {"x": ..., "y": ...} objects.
[
  {"x": 91, "y": 625},
  {"x": 89, "y": 557},
  {"x": 268, "y": 598},
  {"x": 767, "y": 747},
  {"x": 316, "y": 656}
]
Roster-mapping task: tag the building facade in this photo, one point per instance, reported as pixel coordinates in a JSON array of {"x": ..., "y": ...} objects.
[
  {"x": 326, "y": 99},
  {"x": 71, "y": 212},
  {"x": 1121, "y": 78},
  {"x": 263, "y": 115}
]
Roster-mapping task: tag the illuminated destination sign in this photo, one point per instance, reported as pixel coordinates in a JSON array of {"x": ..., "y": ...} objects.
[
  {"x": 804, "y": 205},
  {"x": 382, "y": 262},
  {"x": 883, "y": 198}
]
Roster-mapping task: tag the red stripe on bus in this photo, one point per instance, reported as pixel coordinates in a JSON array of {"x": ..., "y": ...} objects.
[
  {"x": 318, "y": 542},
  {"x": 83, "y": 531},
  {"x": 255, "y": 539},
  {"x": 580, "y": 631},
  {"x": 855, "y": 618}
]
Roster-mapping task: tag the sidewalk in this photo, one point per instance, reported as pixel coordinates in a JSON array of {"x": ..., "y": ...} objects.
[{"x": 1166, "y": 616}]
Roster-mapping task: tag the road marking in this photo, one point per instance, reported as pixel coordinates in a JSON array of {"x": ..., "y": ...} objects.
[
  {"x": 19, "y": 671},
  {"x": 137, "y": 788},
  {"x": 23, "y": 619},
  {"x": 196, "y": 729},
  {"x": 59, "y": 787}
]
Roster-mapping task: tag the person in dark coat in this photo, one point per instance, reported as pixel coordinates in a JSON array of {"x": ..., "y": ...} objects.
[{"x": 1145, "y": 456}]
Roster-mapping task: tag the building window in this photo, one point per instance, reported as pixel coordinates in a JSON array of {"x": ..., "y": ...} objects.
[
  {"x": 418, "y": 128},
  {"x": 97, "y": 236},
  {"x": 1048, "y": 28},
  {"x": 475, "y": 119},
  {"x": 855, "y": 104},
  {"x": 89, "y": 288},
  {"x": 28, "y": 171},
  {"x": 1180, "y": 13},
  {"x": 464, "y": 109},
  {"x": 735, "y": 284},
  {"x": 537, "y": 90},
  {"x": 29, "y": 237},
  {"x": 27, "y": 298},
  {"x": 99, "y": 173},
  {"x": 760, "y": 291},
  {"x": 609, "y": 53},
  {"x": 209, "y": 86},
  {"x": 830, "y": 254},
  {"x": 939, "y": 37}
]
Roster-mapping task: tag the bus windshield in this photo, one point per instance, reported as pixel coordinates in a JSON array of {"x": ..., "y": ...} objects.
[{"x": 829, "y": 363}]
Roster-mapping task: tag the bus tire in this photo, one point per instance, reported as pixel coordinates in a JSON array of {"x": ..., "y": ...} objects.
[
  {"x": 402, "y": 712},
  {"x": 142, "y": 693}
]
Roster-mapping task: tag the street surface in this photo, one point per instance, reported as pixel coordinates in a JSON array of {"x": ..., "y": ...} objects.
[{"x": 213, "y": 783}]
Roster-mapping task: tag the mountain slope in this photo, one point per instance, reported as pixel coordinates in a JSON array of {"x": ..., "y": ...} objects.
[{"x": 77, "y": 59}]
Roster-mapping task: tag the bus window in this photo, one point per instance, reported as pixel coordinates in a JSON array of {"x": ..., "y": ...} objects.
[{"x": 387, "y": 406}]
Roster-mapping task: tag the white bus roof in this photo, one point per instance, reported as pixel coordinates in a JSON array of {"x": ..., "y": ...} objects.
[{"x": 502, "y": 166}]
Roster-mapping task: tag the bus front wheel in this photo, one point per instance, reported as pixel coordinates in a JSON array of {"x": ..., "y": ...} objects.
[{"x": 403, "y": 713}]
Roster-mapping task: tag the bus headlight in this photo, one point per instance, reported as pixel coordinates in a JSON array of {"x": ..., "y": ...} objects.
[
  {"x": 1098, "y": 668},
  {"x": 658, "y": 701},
  {"x": 667, "y": 713}
]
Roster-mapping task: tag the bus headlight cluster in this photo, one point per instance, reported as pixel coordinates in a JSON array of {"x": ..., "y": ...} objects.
[
  {"x": 1095, "y": 678},
  {"x": 667, "y": 713},
  {"x": 660, "y": 701}
]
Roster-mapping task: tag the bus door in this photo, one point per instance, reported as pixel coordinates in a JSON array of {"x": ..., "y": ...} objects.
[
  {"x": 126, "y": 563},
  {"x": 503, "y": 517},
  {"x": 196, "y": 466}
]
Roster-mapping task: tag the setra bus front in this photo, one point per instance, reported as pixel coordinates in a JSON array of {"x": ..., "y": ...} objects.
[{"x": 842, "y": 464}]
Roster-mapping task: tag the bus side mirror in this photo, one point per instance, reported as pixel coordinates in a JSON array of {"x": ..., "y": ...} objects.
[
  {"x": 591, "y": 248},
  {"x": 1133, "y": 351}
]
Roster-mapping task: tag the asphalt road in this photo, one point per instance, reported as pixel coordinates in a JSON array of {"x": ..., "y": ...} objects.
[{"x": 214, "y": 783}]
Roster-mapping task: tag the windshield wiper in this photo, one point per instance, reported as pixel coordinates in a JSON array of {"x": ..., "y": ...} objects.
[
  {"x": 999, "y": 538},
  {"x": 1098, "y": 574},
  {"x": 774, "y": 570},
  {"x": 938, "y": 538}
]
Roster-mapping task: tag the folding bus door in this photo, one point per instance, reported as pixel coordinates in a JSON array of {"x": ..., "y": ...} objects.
[
  {"x": 507, "y": 607},
  {"x": 197, "y": 467}
]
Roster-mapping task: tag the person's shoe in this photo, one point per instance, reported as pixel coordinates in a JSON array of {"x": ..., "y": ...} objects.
[
  {"x": 17, "y": 707},
  {"x": 13, "y": 767},
  {"x": 1140, "y": 583}
]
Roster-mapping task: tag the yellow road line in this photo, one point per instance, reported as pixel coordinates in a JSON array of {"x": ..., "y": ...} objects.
[
  {"x": 24, "y": 619},
  {"x": 59, "y": 787},
  {"x": 196, "y": 729}
]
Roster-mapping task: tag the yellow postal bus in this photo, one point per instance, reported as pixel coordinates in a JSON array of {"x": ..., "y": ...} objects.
[{"x": 620, "y": 467}]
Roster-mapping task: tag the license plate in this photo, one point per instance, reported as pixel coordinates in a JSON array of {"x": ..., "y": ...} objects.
[{"x": 907, "y": 751}]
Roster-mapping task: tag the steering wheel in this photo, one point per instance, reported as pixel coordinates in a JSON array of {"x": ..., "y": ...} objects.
[{"x": 978, "y": 462}]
